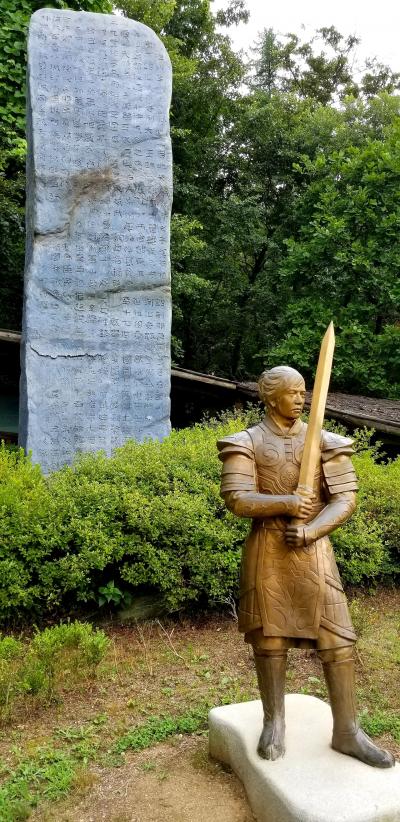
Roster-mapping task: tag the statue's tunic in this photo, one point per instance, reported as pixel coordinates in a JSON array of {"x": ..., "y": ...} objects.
[{"x": 284, "y": 591}]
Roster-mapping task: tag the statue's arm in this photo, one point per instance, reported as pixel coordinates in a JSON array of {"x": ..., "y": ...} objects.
[
  {"x": 239, "y": 485},
  {"x": 341, "y": 485},
  {"x": 253, "y": 504},
  {"x": 338, "y": 510}
]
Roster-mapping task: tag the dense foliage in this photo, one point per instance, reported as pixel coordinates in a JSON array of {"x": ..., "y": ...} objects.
[
  {"x": 344, "y": 249},
  {"x": 286, "y": 201},
  {"x": 150, "y": 519}
]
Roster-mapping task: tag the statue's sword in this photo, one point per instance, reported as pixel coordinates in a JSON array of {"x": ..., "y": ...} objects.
[{"x": 311, "y": 453}]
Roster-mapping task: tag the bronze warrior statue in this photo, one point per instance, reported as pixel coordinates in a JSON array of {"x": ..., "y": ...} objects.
[{"x": 290, "y": 590}]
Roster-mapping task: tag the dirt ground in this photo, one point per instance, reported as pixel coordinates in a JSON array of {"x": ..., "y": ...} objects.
[
  {"x": 169, "y": 668},
  {"x": 172, "y": 783}
]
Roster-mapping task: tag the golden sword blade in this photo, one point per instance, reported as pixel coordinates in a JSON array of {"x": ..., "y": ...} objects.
[{"x": 311, "y": 453}]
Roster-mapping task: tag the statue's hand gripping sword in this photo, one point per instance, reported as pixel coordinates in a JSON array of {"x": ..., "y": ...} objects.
[{"x": 311, "y": 453}]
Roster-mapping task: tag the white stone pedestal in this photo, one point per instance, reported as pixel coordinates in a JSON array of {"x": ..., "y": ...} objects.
[{"x": 312, "y": 783}]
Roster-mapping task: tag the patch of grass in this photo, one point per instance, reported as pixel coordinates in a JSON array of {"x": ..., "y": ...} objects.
[
  {"x": 314, "y": 687},
  {"x": 84, "y": 741},
  {"x": 51, "y": 772},
  {"x": 48, "y": 774},
  {"x": 159, "y": 728},
  {"x": 379, "y": 649},
  {"x": 83, "y": 780},
  {"x": 148, "y": 766},
  {"x": 381, "y": 722},
  {"x": 360, "y": 617}
]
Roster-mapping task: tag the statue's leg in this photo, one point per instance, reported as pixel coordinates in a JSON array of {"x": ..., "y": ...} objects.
[
  {"x": 271, "y": 675},
  {"x": 348, "y": 738}
]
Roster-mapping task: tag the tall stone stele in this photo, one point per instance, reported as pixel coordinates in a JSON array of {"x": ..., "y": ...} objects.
[{"x": 96, "y": 329}]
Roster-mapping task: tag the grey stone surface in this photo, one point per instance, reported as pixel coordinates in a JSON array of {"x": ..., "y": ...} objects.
[
  {"x": 312, "y": 783},
  {"x": 96, "y": 329}
]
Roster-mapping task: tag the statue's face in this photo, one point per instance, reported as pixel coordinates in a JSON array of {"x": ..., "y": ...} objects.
[{"x": 289, "y": 403}]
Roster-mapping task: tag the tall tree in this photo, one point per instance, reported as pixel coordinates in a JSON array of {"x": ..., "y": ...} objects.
[
  {"x": 343, "y": 262},
  {"x": 319, "y": 69}
]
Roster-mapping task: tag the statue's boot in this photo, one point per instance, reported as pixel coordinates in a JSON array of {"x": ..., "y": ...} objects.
[
  {"x": 348, "y": 738},
  {"x": 271, "y": 675}
]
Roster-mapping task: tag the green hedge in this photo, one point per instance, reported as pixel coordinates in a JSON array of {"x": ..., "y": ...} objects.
[{"x": 151, "y": 518}]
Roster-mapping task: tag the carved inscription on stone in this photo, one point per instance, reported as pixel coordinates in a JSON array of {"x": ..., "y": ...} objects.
[{"x": 96, "y": 332}]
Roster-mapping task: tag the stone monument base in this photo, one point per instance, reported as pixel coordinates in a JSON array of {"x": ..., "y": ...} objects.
[{"x": 312, "y": 783}]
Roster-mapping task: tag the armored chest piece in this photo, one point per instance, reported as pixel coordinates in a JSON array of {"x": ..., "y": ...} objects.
[{"x": 278, "y": 462}]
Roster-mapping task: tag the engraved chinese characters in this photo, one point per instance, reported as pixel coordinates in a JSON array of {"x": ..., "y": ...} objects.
[{"x": 96, "y": 331}]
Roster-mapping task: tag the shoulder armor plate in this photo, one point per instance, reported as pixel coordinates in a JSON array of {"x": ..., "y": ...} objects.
[
  {"x": 237, "y": 455},
  {"x": 339, "y": 474},
  {"x": 333, "y": 444},
  {"x": 235, "y": 444}
]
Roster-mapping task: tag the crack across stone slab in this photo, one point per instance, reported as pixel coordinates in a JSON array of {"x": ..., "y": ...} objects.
[
  {"x": 127, "y": 288},
  {"x": 52, "y": 232},
  {"x": 64, "y": 356}
]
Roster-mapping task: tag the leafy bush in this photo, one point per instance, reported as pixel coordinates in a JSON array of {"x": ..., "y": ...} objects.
[
  {"x": 151, "y": 518},
  {"x": 36, "y": 667},
  {"x": 49, "y": 647}
]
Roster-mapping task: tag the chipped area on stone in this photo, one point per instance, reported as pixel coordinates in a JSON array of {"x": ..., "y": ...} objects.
[
  {"x": 97, "y": 307},
  {"x": 312, "y": 783}
]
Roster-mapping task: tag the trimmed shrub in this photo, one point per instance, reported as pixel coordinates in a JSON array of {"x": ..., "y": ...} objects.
[
  {"x": 151, "y": 518},
  {"x": 36, "y": 667}
]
